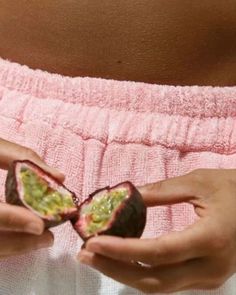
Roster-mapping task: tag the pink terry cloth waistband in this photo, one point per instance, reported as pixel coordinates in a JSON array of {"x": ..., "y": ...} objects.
[{"x": 188, "y": 118}]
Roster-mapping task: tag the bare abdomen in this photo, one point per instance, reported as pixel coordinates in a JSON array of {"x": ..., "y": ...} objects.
[{"x": 157, "y": 41}]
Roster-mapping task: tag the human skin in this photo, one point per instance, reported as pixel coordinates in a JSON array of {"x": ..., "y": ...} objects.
[
  {"x": 156, "y": 41},
  {"x": 202, "y": 256},
  {"x": 20, "y": 230},
  {"x": 178, "y": 42}
]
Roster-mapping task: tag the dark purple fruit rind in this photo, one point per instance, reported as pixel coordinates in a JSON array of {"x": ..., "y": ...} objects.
[
  {"x": 129, "y": 219},
  {"x": 11, "y": 193},
  {"x": 13, "y": 196}
]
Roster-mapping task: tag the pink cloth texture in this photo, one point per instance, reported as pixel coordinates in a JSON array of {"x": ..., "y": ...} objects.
[{"x": 100, "y": 132}]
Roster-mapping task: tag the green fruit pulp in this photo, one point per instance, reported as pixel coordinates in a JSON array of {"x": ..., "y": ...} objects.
[
  {"x": 99, "y": 211},
  {"x": 42, "y": 198}
]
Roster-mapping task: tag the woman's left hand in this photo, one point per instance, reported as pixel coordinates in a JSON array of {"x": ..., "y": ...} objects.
[{"x": 203, "y": 256}]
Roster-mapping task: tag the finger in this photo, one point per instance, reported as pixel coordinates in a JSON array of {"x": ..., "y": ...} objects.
[
  {"x": 18, "y": 243},
  {"x": 173, "y": 190},
  {"x": 170, "y": 248},
  {"x": 57, "y": 174},
  {"x": 18, "y": 219},
  {"x": 161, "y": 279},
  {"x": 10, "y": 152}
]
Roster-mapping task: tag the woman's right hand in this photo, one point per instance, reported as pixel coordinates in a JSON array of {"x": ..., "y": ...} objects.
[{"x": 20, "y": 230}]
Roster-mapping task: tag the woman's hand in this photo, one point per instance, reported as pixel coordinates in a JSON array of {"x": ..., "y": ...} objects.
[
  {"x": 20, "y": 230},
  {"x": 203, "y": 256}
]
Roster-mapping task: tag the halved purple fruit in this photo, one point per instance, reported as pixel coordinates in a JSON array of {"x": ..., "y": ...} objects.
[
  {"x": 118, "y": 211},
  {"x": 30, "y": 186}
]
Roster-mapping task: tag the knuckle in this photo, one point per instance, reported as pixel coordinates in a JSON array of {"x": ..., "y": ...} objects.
[
  {"x": 219, "y": 241},
  {"x": 165, "y": 250},
  {"x": 198, "y": 175},
  {"x": 161, "y": 253},
  {"x": 205, "y": 180}
]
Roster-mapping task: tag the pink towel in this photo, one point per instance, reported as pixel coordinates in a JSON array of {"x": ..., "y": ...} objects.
[{"x": 100, "y": 132}]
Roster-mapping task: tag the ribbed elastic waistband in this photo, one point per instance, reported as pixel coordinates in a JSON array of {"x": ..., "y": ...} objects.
[
  {"x": 187, "y": 118},
  {"x": 121, "y": 95}
]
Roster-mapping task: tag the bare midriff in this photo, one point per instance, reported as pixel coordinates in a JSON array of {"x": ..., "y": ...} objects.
[{"x": 179, "y": 42}]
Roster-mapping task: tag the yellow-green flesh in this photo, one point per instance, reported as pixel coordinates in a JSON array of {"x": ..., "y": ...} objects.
[
  {"x": 99, "y": 211},
  {"x": 41, "y": 197}
]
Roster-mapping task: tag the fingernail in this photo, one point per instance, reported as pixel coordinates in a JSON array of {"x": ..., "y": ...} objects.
[
  {"x": 54, "y": 171},
  {"x": 34, "y": 228}
]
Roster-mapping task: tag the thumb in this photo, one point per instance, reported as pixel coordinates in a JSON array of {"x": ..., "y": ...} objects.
[
  {"x": 170, "y": 191},
  {"x": 51, "y": 170}
]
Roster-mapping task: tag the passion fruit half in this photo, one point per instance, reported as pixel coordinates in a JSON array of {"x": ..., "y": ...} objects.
[
  {"x": 29, "y": 186},
  {"x": 118, "y": 211}
]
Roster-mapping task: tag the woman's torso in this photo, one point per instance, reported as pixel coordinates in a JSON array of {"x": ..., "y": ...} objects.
[{"x": 166, "y": 42}]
